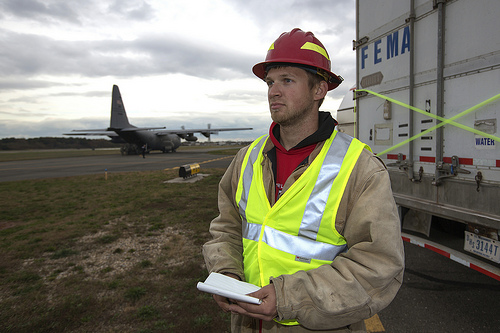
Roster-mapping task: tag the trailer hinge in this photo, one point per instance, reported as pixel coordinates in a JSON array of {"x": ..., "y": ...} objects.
[
  {"x": 446, "y": 170},
  {"x": 420, "y": 174},
  {"x": 358, "y": 94},
  {"x": 435, "y": 3},
  {"x": 410, "y": 18},
  {"x": 478, "y": 178},
  {"x": 407, "y": 167},
  {"x": 358, "y": 43}
]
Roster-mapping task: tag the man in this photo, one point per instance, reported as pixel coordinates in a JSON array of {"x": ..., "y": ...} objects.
[{"x": 306, "y": 213}]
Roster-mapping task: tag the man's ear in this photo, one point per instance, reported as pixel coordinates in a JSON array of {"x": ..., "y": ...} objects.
[{"x": 320, "y": 90}]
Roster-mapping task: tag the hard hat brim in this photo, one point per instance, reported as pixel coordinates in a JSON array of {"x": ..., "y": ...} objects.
[{"x": 260, "y": 71}]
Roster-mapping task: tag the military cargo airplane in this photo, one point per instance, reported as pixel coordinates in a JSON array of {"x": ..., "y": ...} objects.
[{"x": 151, "y": 138}]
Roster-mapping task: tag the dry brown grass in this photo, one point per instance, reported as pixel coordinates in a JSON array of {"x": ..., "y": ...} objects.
[{"x": 83, "y": 254}]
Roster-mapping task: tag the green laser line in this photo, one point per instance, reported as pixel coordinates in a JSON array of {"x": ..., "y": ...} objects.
[{"x": 444, "y": 121}]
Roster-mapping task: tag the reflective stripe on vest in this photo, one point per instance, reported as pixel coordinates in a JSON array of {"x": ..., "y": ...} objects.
[
  {"x": 253, "y": 153},
  {"x": 298, "y": 232}
]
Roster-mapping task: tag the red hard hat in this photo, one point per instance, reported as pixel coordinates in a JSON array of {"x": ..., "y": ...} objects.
[{"x": 303, "y": 49}]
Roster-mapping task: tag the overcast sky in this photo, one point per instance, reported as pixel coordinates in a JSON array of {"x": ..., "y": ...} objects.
[{"x": 176, "y": 62}]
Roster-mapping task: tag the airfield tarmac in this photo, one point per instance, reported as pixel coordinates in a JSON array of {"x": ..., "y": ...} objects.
[{"x": 76, "y": 166}]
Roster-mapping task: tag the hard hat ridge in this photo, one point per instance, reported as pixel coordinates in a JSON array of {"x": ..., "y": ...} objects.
[{"x": 301, "y": 49}]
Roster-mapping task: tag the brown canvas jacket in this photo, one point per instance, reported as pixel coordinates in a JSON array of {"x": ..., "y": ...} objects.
[{"x": 332, "y": 298}]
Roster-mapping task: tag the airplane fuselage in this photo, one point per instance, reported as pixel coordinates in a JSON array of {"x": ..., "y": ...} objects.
[{"x": 165, "y": 143}]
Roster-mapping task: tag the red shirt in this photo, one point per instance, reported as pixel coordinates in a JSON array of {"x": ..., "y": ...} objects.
[{"x": 287, "y": 160}]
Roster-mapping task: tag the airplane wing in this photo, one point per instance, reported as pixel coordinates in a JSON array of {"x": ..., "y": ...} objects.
[
  {"x": 135, "y": 129},
  {"x": 92, "y": 132},
  {"x": 109, "y": 131},
  {"x": 205, "y": 131}
]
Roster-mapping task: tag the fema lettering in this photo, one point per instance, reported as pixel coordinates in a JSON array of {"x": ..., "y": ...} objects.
[{"x": 392, "y": 48}]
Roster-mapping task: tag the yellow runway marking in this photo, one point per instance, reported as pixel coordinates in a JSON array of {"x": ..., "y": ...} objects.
[{"x": 374, "y": 325}]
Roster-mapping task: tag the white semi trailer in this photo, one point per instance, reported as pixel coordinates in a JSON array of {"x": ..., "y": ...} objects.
[{"x": 428, "y": 103}]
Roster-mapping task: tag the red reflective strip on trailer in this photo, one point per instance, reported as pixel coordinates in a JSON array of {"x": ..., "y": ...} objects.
[
  {"x": 394, "y": 157},
  {"x": 429, "y": 159},
  {"x": 466, "y": 161},
  {"x": 458, "y": 257},
  {"x": 463, "y": 161}
]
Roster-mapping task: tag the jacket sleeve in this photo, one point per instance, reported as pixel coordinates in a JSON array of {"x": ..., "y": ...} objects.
[
  {"x": 223, "y": 254},
  {"x": 363, "y": 280}
]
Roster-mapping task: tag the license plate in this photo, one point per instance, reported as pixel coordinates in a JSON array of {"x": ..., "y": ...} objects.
[{"x": 482, "y": 246}]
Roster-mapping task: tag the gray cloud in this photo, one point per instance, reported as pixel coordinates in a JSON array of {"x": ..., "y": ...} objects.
[
  {"x": 76, "y": 12},
  {"x": 46, "y": 127},
  {"x": 94, "y": 93},
  {"x": 22, "y": 83},
  {"x": 297, "y": 12},
  {"x": 25, "y": 55},
  {"x": 28, "y": 55},
  {"x": 250, "y": 97},
  {"x": 132, "y": 9},
  {"x": 43, "y": 11}
]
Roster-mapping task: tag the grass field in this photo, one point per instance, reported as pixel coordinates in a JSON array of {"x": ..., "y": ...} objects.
[{"x": 85, "y": 254}]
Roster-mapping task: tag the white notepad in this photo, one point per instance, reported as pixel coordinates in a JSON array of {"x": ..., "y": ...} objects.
[{"x": 226, "y": 286}]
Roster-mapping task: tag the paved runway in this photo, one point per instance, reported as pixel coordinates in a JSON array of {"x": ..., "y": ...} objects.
[{"x": 74, "y": 166}]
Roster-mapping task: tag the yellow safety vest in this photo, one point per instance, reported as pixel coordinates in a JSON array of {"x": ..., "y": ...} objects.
[{"x": 298, "y": 232}]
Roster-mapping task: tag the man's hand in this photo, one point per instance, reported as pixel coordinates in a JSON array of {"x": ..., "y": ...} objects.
[
  {"x": 222, "y": 301},
  {"x": 265, "y": 311}
]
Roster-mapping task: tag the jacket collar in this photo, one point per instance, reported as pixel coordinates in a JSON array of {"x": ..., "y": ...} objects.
[
  {"x": 326, "y": 126},
  {"x": 325, "y": 129}
]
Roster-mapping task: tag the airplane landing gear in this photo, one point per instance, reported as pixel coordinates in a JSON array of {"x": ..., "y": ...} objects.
[
  {"x": 168, "y": 149},
  {"x": 130, "y": 149}
]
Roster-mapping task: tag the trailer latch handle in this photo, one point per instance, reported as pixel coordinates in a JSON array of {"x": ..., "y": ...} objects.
[{"x": 479, "y": 177}]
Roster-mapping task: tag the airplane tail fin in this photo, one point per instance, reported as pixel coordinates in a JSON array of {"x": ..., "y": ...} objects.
[{"x": 119, "y": 117}]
